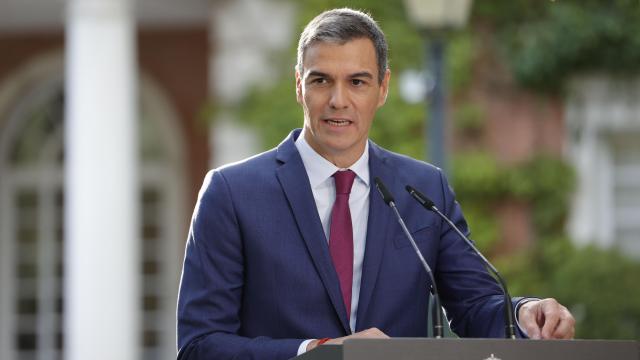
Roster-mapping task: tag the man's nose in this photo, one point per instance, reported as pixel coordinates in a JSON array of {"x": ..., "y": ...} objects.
[{"x": 339, "y": 97}]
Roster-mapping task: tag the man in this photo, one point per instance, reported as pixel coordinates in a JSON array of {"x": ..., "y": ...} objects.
[{"x": 293, "y": 247}]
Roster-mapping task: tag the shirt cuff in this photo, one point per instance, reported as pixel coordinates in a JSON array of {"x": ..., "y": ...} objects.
[
  {"x": 517, "y": 310},
  {"x": 303, "y": 346}
]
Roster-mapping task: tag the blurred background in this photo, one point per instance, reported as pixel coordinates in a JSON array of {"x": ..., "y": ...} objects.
[{"x": 540, "y": 136}]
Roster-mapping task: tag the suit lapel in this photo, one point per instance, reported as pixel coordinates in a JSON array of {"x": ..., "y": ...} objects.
[
  {"x": 378, "y": 228},
  {"x": 295, "y": 184}
]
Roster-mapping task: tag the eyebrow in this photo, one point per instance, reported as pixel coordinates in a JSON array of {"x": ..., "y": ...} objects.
[
  {"x": 314, "y": 73},
  {"x": 360, "y": 74}
]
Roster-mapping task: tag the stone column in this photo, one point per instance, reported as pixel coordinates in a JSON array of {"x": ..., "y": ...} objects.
[{"x": 102, "y": 310}]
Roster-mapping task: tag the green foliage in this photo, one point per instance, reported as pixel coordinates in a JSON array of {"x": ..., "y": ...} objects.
[
  {"x": 273, "y": 112},
  {"x": 547, "y": 41},
  {"x": 484, "y": 227},
  {"x": 481, "y": 184},
  {"x": 550, "y": 184},
  {"x": 468, "y": 117},
  {"x": 604, "y": 292},
  {"x": 400, "y": 126},
  {"x": 476, "y": 177},
  {"x": 598, "y": 286},
  {"x": 460, "y": 57}
]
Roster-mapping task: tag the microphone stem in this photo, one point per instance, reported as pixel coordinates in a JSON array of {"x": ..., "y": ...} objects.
[{"x": 437, "y": 322}]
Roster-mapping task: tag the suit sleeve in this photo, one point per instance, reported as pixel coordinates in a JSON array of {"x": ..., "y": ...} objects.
[
  {"x": 472, "y": 298},
  {"x": 210, "y": 296}
]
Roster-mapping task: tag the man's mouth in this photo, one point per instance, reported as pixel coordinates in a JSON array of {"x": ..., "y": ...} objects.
[{"x": 338, "y": 122}]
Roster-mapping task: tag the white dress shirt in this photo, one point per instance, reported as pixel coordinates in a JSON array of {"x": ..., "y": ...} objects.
[{"x": 320, "y": 171}]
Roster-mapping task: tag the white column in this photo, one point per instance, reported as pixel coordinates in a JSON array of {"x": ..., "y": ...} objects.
[{"x": 102, "y": 307}]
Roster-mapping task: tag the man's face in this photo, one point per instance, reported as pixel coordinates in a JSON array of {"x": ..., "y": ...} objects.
[{"x": 339, "y": 92}]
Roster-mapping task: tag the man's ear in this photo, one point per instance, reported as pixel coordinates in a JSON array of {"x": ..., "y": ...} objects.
[
  {"x": 384, "y": 88},
  {"x": 298, "y": 87}
]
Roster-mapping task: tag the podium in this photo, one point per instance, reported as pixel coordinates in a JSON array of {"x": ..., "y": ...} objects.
[{"x": 475, "y": 349}]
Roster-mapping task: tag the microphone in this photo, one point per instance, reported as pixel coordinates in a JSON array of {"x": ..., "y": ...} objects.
[
  {"x": 388, "y": 199},
  {"x": 510, "y": 329}
]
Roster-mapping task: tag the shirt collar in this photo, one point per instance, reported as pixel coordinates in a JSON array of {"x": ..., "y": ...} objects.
[{"x": 320, "y": 169}]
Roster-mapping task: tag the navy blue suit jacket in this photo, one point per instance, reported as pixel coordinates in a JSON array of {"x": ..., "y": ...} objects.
[{"x": 258, "y": 277}]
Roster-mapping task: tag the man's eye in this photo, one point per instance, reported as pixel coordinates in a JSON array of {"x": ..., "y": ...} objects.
[
  {"x": 357, "y": 82},
  {"x": 319, "y": 81}
]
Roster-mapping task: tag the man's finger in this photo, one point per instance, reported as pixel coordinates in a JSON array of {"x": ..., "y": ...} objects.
[
  {"x": 566, "y": 326},
  {"x": 527, "y": 320},
  {"x": 371, "y": 333},
  {"x": 551, "y": 312}
]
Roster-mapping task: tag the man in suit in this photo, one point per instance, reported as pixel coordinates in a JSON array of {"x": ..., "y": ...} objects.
[{"x": 292, "y": 248}]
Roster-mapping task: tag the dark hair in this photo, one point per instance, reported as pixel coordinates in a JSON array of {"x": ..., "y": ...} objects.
[{"x": 340, "y": 26}]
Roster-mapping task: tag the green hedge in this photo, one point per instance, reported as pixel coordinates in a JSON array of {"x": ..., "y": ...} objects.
[{"x": 599, "y": 286}]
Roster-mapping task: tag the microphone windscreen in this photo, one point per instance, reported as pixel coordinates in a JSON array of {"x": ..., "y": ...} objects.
[
  {"x": 386, "y": 195},
  {"x": 422, "y": 199}
]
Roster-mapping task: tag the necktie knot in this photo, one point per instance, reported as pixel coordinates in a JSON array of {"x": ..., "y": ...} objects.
[{"x": 344, "y": 181}]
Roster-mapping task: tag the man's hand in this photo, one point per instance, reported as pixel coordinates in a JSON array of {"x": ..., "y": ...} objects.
[
  {"x": 546, "y": 319},
  {"x": 371, "y": 333}
]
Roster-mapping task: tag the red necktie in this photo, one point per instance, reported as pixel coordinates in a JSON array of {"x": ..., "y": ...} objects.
[{"x": 341, "y": 235}]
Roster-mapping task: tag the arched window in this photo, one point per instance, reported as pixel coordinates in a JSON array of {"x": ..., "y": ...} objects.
[{"x": 32, "y": 232}]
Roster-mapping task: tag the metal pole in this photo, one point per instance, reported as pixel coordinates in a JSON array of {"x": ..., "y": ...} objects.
[{"x": 436, "y": 103}]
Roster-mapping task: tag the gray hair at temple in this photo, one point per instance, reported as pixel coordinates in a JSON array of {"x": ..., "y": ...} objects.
[{"x": 339, "y": 26}]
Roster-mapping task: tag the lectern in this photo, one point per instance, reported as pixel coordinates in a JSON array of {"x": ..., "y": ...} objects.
[{"x": 475, "y": 349}]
